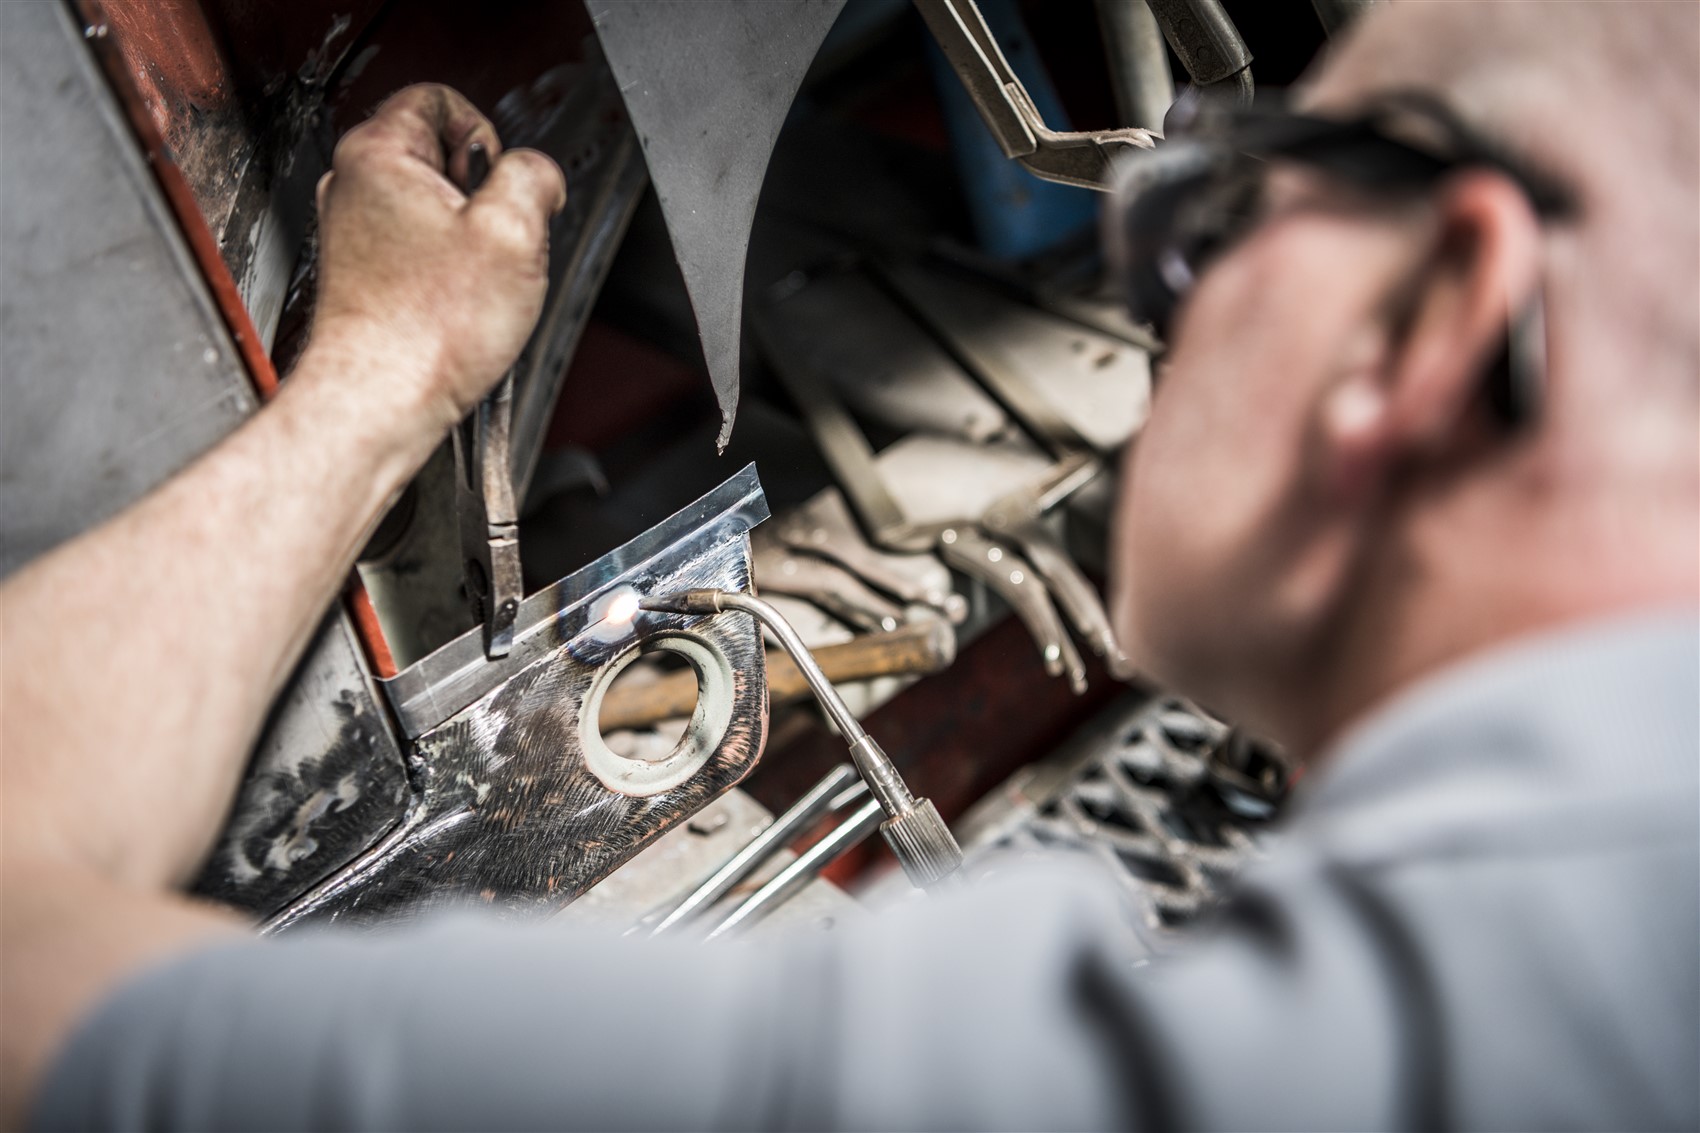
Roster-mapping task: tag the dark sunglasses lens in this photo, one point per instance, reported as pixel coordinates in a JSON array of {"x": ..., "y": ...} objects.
[
  {"x": 1174, "y": 229},
  {"x": 1156, "y": 272}
]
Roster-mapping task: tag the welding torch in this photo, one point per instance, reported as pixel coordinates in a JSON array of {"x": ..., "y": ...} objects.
[{"x": 913, "y": 828}]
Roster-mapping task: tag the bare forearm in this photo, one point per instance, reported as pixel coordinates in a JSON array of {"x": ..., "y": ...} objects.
[
  {"x": 138, "y": 661},
  {"x": 141, "y": 658}
]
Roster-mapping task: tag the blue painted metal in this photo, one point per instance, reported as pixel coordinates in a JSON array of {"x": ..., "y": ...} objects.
[{"x": 1016, "y": 215}]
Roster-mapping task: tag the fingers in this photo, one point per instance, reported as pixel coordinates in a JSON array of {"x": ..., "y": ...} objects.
[
  {"x": 430, "y": 123},
  {"x": 524, "y": 183},
  {"x": 407, "y": 257}
]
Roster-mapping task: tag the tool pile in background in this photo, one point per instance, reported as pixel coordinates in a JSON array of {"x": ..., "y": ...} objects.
[{"x": 939, "y": 420}]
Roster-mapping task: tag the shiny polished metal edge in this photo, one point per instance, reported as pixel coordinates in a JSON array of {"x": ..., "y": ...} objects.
[{"x": 436, "y": 687}]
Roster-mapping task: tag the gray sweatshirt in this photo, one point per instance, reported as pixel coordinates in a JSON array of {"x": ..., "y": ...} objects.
[{"x": 1485, "y": 913}]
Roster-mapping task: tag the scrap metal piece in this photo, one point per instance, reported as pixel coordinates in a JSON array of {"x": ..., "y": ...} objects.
[
  {"x": 917, "y": 835},
  {"x": 1073, "y": 158},
  {"x": 789, "y": 349},
  {"x": 430, "y": 691},
  {"x": 1104, "y": 313},
  {"x": 801, "y": 362},
  {"x": 708, "y": 85},
  {"x": 936, "y": 479},
  {"x": 887, "y": 368},
  {"x": 1072, "y": 387}
]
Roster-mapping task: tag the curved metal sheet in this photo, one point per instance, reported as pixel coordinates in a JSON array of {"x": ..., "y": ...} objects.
[{"x": 708, "y": 84}]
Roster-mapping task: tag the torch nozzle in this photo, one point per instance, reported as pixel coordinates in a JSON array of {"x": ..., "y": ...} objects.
[
  {"x": 917, "y": 835},
  {"x": 684, "y": 602}
]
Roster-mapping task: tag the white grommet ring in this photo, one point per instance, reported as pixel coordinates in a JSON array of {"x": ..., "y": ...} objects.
[{"x": 713, "y": 714}]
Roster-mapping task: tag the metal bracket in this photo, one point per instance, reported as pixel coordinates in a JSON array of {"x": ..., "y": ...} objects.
[
  {"x": 516, "y": 800},
  {"x": 435, "y": 688}
]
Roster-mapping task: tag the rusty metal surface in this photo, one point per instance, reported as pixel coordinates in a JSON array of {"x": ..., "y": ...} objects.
[
  {"x": 516, "y": 801},
  {"x": 234, "y": 94},
  {"x": 235, "y": 107},
  {"x": 242, "y": 102},
  {"x": 135, "y": 47},
  {"x": 183, "y": 79},
  {"x": 491, "y": 805},
  {"x": 226, "y": 82},
  {"x": 326, "y": 781}
]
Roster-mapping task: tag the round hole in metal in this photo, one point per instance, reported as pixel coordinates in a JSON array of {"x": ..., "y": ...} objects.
[{"x": 707, "y": 727}]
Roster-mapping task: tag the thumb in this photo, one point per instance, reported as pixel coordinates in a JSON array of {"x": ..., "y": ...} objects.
[{"x": 526, "y": 181}]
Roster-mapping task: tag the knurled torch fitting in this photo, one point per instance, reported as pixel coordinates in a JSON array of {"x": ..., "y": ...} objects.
[{"x": 913, "y": 828}]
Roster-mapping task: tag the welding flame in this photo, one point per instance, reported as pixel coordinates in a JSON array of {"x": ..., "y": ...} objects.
[
  {"x": 609, "y": 625},
  {"x": 622, "y": 609}
]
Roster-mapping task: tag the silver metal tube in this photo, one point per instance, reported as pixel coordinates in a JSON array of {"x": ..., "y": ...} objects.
[
  {"x": 848, "y": 725},
  {"x": 805, "y": 869},
  {"x": 881, "y": 776},
  {"x": 876, "y": 767},
  {"x": 824, "y": 797},
  {"x": 1139, "y": 63}
]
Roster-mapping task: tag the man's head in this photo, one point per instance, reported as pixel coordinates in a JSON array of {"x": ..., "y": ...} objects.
[{"x": 1322, "y": 507}]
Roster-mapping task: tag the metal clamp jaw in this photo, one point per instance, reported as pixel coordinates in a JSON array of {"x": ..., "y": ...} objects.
[
  {"x": 1073, "y": 158},
  {"x": 489, "y": 518},
  {"x": 484, "y": 493}
]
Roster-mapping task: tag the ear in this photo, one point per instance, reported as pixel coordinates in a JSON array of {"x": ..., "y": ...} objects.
[{"x": 1482, "y": 266}]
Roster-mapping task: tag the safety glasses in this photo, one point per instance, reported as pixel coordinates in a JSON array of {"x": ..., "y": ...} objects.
[{"x": 1179, "y": 207}]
